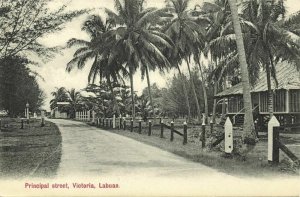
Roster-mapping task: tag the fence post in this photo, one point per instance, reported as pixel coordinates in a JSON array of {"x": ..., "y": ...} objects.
[
  {"x": 276, "y": 131},
  {"x": 184, "y": 133},
  {"x": 140, "y": 126},
  {"x": 149, "y": 131},
  {"x": 273, "y": 149},
  {"x": 22, "y": 123},
  {"x": 93, "y": 116},
  {"x": 203, "y": 137},
  {"x": 0, "y": 124},
  {"x": 211, "y": 126},
  {"x": 161, "y": 129},
  {"x": 43, "y": 118},
  {"x": 120, "y": 122},
  {"x": 228, "y": 136},
  {"x": 124, "y": 124},
  {"x": 131, "y": 125},
  {"x": 172, "y": 131},
  {"x": 114, "y": 121}
]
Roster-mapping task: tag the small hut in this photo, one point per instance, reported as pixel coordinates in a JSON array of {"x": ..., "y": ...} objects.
[{"x": 286, "y": 99}]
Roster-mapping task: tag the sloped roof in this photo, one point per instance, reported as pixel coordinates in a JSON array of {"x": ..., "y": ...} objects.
[{"x": 287, "y": 75}]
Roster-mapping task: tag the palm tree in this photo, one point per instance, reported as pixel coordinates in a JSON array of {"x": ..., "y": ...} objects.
[
  {"x": 59, "y": 96},
  {"x": 271, "y": 38},
  {"x": 138, "y": 44},
  {"x": 186, "y": 33},
  {"x": 98, "y": 50},
  {"x": 249, "y": 132},
  {"x": 74, "y": 98},
  {"x": 216, "y": 14}
]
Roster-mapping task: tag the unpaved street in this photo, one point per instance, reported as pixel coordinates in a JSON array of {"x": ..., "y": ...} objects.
[{"x": 90, "y": 151}]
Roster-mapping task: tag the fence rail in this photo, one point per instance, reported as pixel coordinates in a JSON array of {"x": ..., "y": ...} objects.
[
  {"x": 129, "y": 124},
  {"x": 274, "y": 142}
]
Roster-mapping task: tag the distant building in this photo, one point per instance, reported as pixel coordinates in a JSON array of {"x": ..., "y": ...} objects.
[
  {"x": 286, "y": 99},
  {"x": 58, "y": 112}
]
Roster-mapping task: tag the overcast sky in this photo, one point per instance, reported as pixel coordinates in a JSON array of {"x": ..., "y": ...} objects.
[{"x": 54, "y": 73}]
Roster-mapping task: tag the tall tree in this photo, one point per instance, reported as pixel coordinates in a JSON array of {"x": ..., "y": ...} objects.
[
  {"x": 74, "y": 97},
  {"x": 138, "y": 44},
  {"x": 60, "y": 95},
  {"x": 271, "y": 37},
  {"x": 18, "y": 86},
  {"x": 24, "y": 22},
  {"x": 97, "y": 50},
  {"x": 187, "y": 35},
  {"x": 249, "y": 132}
]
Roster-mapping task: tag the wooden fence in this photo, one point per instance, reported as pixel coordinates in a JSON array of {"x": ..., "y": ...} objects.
[
  {"x": 274, "y": 142},
  {"x": 131, "y": 125}
]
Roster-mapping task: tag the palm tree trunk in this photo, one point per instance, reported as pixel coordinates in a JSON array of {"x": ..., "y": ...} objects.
[
  {"x": 249, "y": 132},
  {"x": 223, "y": 102},
  {"x": 204, "y": 93},
  {"x": 215, "y": 102},
  {"x": 194, "y": 92},
  {"x": 185, "y": 94},
  {"x": 113, "y": 95},
  {"x": 132, "y": 92},
  {"x": 270, "y": 93},
  {"x": 149, "y": 90}
]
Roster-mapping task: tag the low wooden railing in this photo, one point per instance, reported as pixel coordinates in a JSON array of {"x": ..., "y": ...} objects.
[
  {"x": 125, "y": 124},
  {"x": 275, "y": 144}
]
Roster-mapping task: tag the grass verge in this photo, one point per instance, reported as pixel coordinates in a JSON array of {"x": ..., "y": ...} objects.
[{"x": 32, "y": 151}]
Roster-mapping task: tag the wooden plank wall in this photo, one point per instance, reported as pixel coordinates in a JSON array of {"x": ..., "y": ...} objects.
[{"x": 294, "y": 101}]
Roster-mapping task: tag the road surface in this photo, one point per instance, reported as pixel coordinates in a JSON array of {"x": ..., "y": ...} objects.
[
  {"x": 91, "y": 156},
  {"x": 90, "y": 151}
]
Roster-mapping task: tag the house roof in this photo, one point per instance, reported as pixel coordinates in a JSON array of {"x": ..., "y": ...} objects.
[{"x": 287, "y": 75}]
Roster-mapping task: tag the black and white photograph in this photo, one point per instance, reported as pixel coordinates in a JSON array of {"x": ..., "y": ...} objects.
[{"x": 149, "y": 98}]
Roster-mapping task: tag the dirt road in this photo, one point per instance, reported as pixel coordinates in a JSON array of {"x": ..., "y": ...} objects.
[{"x": 90, "y": 151}]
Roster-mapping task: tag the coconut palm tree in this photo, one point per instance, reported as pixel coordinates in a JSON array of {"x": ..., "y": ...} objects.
[
  {"x": 98, "y": 50},
  {"x": 249, "y": 132},
  {"x": 74, "y": 98},
  {"x": 270, "y": 38},
  {"x": 59, "y": 96},
  {"x": 219, "y": 50},
  {"x": 138, "y": 44},
  {"x": 187, "y": 34}
]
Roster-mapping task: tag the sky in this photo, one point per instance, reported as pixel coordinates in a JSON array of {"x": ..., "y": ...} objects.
[{"x": 53, "y": 72}]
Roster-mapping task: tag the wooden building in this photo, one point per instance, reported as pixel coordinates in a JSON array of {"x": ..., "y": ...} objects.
[{"x": 286, "y": 100}]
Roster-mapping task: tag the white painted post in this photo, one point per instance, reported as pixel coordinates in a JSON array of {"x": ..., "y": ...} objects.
[
  {"x": 89, "y": 116},
  {"x": 114, "y": 121},
  {"x": 27, "y": 112},
  {"x": 120, "y": 121},
  {"x": 272, "y": 123},
  {"x": 93, "y": 116},
  {"x": 228, "y": 136},
  {"x": 203, "y": 119}
]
